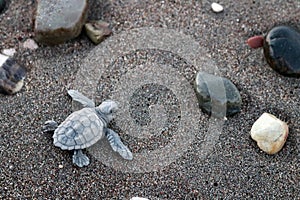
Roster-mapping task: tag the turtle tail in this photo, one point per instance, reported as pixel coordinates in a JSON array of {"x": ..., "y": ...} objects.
[{"x": 49, "y": 126}]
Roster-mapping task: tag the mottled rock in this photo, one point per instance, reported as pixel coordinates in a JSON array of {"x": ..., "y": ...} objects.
[
  {"x": 12, "y": 75},
  {"x": 97, "y": 31},
  {"x": 217, "y": 7},
  {"x": 282, "y": 50},
  {"x": 59, "y": 21},
  {"x": 2, "y": 5},
  {"x": 270, "y": 133},
  {"x": 217, "y": 96}
]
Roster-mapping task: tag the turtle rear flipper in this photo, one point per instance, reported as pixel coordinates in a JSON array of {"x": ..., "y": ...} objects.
[
  {"x": 117, "y": 145},
  {"x": 80, "y": 159},
  {"x": 80, "y": 100}
]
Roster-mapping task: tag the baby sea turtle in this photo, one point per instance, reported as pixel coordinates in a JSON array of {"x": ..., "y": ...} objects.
[{"x": 85, "y": 127}]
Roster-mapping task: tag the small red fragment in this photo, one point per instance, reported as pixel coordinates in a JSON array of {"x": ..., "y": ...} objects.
[{"x": 255, "y": 42}]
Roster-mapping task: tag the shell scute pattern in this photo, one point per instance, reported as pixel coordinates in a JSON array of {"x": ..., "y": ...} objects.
[{"x": 80, "y": 130}]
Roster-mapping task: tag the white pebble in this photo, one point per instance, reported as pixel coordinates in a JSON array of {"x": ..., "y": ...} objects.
[
  {"x": 270, "y": 133},
  {"x": 9, "y": 52},
  {"x": 30, "y": 44},
  {"x": 138, "y": 198},
  {"x": 60, "y": 166},
  {"x": 217, "y": 7}
]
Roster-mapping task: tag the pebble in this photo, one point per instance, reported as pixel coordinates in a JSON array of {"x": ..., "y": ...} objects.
[
  {"x": 12, "y": 75},
  {"x": 59, "y": 21},
  {"x": 256, "y": 42},
  {"x": 217, "y": 8},
  {"x": 270, "y": 133},
  {"x": 217, "y": 96},
  {"x": 138, "y": 198},
  {"x": 97, "y": 30},
  {"x": 30, "y": 44},
  {"x": 60, "y": 166},
  {"x": 9, "y": 52},
  {"x": 282, "y": 50},
  {"x": 2, "y": 5}
]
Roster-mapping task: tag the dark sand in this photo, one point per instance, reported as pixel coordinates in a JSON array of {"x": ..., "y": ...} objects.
[{"x": 234, "y": 168}]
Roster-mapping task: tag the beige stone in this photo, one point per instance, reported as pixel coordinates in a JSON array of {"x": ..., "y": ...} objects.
[
  {"x": 270, "y": 133},
  {"x": 97, "y": 30}
]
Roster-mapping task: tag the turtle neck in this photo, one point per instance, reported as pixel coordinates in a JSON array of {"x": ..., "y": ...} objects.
[{"x": 102, "y": 117}]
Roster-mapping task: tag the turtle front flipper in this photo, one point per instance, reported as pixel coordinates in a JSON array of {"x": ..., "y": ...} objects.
[
  {"x": 80, "y": 159},
  {"x": 49, "y": 125},
  {"x": 80, "y": 101},
  {"x": 117, "y": 145}
]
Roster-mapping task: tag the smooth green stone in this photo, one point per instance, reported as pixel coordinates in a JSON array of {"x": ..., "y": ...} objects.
[{"x": 217, "y": 96}]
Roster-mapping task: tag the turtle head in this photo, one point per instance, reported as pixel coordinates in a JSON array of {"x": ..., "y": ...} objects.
[{"x": 108, "y": 108}]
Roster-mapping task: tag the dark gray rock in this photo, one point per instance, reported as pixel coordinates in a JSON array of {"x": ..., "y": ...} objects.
[
  {"x": 59, "y": 21},
  {"x": 217, "y": 96},
  {"x": 2, "y": 5},
  {"x": 282, "y": 50}
]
